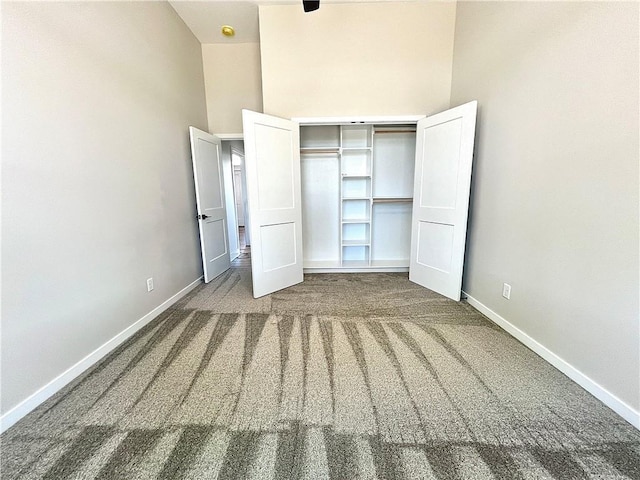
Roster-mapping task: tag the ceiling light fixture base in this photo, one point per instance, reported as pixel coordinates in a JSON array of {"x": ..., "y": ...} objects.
[{"x": 228, "y": 31}]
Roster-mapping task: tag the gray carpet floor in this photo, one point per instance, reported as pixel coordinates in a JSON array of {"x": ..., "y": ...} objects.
[{"x": 352, "y": 376}]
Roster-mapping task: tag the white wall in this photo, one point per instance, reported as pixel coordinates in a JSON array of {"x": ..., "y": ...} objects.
[
  {"x": 555, "y": 195},
  {"x": 233, "y": 82},
  {"x": 357, "y": 59},
  {"x": 97, "y": 186}
]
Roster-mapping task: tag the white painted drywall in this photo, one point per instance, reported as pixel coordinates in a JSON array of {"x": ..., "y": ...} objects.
[
  {"x": 555, "y": 193},
  {"x": 357, "y": 59},
  {"x": 205, "y": 19},
  {"x": 97, "y": 186},
  {"x": 232, "y": 82}
]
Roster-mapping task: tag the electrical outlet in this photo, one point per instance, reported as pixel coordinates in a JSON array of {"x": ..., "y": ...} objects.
[
  {"x": 506, "y": 291},
  {"x": 149, "y": 284}
]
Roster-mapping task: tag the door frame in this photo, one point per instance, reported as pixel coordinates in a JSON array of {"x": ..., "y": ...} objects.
[
  {"x": 227, "y": 138},
  {"x": 229, "y": 190}
]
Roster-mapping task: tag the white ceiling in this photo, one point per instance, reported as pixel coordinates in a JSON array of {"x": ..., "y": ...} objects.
[{"x": 206, "y": 17}]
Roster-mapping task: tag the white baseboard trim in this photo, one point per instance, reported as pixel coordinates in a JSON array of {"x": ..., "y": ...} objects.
[
  {"x": 31, "y": 402},
  {"x": 609, "y": 399}
]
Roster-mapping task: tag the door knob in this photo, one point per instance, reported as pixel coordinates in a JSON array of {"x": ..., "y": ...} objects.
[{"x": 203, "y": 217}]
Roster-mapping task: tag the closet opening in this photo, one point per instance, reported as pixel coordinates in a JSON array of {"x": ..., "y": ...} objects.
[
  {"x": 357, "y": 194},
  {"x": 380, "y": 194}
]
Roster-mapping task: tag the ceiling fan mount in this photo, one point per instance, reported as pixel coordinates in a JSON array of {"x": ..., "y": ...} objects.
[{"x": 310, "y": 5}]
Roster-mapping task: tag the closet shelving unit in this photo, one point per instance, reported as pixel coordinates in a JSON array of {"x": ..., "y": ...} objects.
[
  {"x": 357, "y": 187},
  {"x": 356, "y": 174}
]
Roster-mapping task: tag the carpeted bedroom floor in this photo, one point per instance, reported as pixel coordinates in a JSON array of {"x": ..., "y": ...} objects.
[{"x": 352, "y": 376}]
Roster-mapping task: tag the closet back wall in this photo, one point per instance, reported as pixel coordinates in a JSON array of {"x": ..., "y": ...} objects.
[{"x": 349, "y": 59}]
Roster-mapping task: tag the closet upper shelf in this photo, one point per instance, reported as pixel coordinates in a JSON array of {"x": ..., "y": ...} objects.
[
  {"x": 392, "y": 200},
  {"x": 319, "y": 151},
  {"x": 378, "y": 132},
  {"x": 325, "y": 137},
  {"x": 356, "y": 220},
  {"x": 355, "y": 137}
]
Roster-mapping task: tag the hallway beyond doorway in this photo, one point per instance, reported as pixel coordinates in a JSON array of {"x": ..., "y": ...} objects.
[{"x": 244, "y": 259}]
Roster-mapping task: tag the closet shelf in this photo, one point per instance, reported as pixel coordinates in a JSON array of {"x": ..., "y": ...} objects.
[
  {"x": 319, "y": 151},
  {"x": 355, "y": 243},
  {"x": 376, "y": 132},
  {"x": 356, "y": 198},
  {"x": 356, "y": 149},
  {"x": 348, "y": 175},
  {"x": 392, "y": 200},
  {"x": 356, "y": 220}
]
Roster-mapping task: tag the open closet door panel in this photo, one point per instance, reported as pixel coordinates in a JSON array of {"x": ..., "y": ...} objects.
[
  {"x": 272, "y": 164},
  {"x": 210, "y": 203},
  {"x": 444, "y": 153}
]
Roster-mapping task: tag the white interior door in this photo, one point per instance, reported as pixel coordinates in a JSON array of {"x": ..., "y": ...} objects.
[
  {"x": 210, "y": 202},
  {"x": 272, "y": 166},
  {"x": 444, "y": 153}
]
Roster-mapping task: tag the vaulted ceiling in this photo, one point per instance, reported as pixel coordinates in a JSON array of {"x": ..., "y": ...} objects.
[{"x": 206, "y": 18}]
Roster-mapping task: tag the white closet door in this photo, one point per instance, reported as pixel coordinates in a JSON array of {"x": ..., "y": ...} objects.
[
  {"x": 272, "y": 164},
  {"x": 444, "y": 153},
  {"x": 210, "y": 202}
]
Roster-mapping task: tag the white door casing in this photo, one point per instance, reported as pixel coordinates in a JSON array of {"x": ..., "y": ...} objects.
[
  {"x": 210, "y": 202},
  {"x": 245, "y": 203},
  {"x": 444, "y": 154},
  {"x": 229, "y": 195},
  {"x": 272, "y": 166},
  {"x": 237, "y": 182}
]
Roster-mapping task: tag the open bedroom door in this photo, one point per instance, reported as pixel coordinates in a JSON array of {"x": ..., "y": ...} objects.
[
  {"x": 272, "y": 165},
  {"x": 444, "y": 154},
  {"x": 210, "y": 203}
]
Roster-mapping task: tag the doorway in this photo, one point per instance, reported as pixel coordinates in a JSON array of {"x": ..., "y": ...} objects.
[
  {"x": 236, "y": 202},
  {"x": 243, "y": 260}
]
